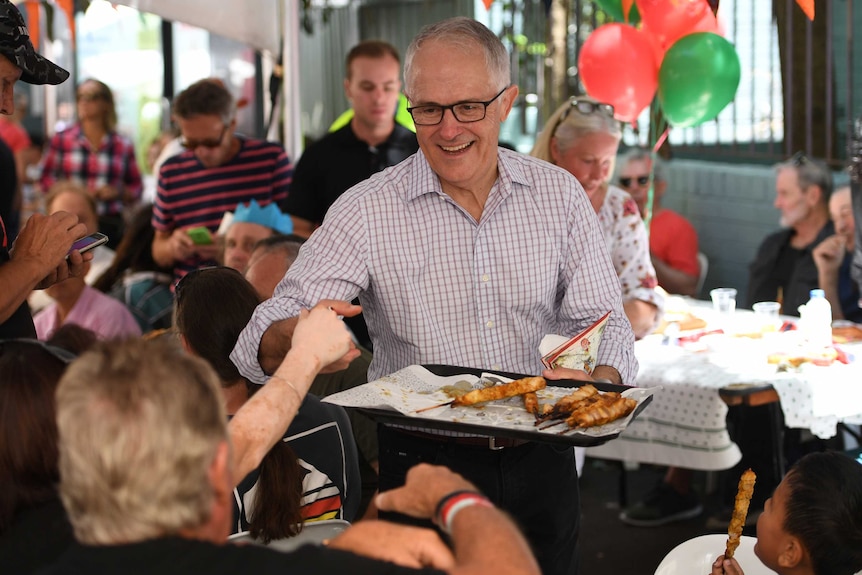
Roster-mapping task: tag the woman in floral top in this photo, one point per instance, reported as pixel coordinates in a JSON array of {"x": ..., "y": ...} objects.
[{"x": 582, "y": 137}]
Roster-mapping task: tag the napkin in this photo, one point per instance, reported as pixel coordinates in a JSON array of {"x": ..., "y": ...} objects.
[{"x": 578, "y": 352}]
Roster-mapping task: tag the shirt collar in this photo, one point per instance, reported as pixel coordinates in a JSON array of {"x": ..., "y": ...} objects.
[{"x": 510, "y": 174}]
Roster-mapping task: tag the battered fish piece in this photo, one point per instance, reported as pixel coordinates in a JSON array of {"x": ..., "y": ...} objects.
[
  {"x": 607, "y": 407},
  {"x": 511, "y": 389},
  {"x": 740, "y": 510},
  {"x": 568, "y": 403}
]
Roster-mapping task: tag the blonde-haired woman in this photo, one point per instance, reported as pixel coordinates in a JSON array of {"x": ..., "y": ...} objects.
[
  {"x": 582, "y": 137},
  {"x": 93, "y": 154}
]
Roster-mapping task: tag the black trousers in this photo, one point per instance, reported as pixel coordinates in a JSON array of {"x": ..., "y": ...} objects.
[{"x": 535, "y": 483}]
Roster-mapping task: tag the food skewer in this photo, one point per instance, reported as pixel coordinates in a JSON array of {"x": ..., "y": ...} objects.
[
  {"x": 744, "y": 491},
  {"x": 430, "y": 407},
  {"x": 511, "y": 389}
]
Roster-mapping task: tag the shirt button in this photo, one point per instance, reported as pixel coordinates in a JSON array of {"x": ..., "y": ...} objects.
[
  {"x": 489, "y": 323},
  {"x": 495, "y": 367}
]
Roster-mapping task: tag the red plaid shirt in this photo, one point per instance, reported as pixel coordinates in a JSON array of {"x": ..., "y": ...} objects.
[{"x": 71, "y": 157}]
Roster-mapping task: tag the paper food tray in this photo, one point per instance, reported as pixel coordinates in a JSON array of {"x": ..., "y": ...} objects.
[{"x": 396, "y": 397}]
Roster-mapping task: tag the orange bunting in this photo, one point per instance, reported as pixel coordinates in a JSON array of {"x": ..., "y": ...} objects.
[
  {"x": 487, "y": 4},
  {"x": 627, "y": 6},
  {"x": 807, "y": 7},
  {"x": 34, "y": 14},
  {"x": 68, "y": 8}
]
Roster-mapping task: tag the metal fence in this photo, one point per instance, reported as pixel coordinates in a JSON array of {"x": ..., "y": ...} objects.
[{"x": 797, "y": 91}]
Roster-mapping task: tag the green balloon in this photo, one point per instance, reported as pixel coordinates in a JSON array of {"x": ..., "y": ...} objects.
[
  {"x": 698, "y": 78},
  {"x": 614, "y": 9}
]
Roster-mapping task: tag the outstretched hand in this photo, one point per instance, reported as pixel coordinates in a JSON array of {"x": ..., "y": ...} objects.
[{"x": 321, "y": 333}]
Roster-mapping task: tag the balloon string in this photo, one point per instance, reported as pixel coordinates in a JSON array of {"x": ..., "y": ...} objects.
[{"x": 660, "y": 141}]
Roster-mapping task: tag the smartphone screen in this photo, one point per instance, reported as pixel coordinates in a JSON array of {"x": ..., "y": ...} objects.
[{"x": 87, "y": 243}]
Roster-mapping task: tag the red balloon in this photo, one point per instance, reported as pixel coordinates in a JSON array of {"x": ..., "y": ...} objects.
[
  {"x": 666, "y": 21},
  {"x": 616, "y": 65}
]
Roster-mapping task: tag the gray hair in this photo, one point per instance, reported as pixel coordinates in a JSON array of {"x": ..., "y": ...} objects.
[
  {"x": 809, "y": 172},
  {"x": 464, "y": 34},
  {"x": 140, "y": 423},
  {"x": 567, "y": 124},
  {"x": 644, "y": 155}
]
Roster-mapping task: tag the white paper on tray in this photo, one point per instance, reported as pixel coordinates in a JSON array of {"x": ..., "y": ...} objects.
[{"x": 414, "y": 387}]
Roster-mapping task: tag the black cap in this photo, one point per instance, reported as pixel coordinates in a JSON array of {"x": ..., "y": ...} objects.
[{"x": 15, "y": 44}]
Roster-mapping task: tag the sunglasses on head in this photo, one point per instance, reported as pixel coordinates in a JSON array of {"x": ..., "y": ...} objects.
[
  {"x": 626, "y": 182},
  {"x": 587, "y": 107},
  {"x": 799, "y": 158}
]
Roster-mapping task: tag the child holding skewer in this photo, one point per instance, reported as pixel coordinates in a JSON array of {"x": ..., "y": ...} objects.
[{"x": 812, "y": 525}]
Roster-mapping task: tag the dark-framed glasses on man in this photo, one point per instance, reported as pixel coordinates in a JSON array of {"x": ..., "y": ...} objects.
[{"x": 464, "y": 112}]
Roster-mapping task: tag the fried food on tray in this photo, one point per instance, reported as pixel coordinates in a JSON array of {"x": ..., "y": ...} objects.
[
  {"x": 567, "y": 403},
  {"x": 607, "y": 407},
  {"x": 740, "y": 510},
  {"x": 511, "y": 389},
  {"x": 531, "y": 402}
]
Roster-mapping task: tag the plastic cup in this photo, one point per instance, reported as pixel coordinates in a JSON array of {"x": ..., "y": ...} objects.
[
  {"x": 724, "y": 304},
  {"x": 766, "y": 315}
]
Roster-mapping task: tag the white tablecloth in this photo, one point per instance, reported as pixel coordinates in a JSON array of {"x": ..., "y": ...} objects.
[{"x": 685, "y": 424}]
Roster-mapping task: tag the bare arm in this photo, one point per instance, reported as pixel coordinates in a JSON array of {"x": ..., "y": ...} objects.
[
  {"x": 302, "y": 227},
  {"x": 642, "y": 316},
  {"x": 484, "y": 538},
  {"x": 674, "y": 280},
  {"x": 321, "y": 338},
  {"x": 38, "y": 258}
]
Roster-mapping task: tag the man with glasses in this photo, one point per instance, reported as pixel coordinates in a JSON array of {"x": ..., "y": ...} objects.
[
  {"x": 217, "y": 171},
  {"x": 672, "y": 238},
  {"x": 38, "y": 258},
  {"x": 464, "y": 254},
  {"x": 783, "y": 269}
]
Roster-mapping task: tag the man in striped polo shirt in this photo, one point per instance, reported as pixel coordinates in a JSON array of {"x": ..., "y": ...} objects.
[{"x": 217, "y": 171}]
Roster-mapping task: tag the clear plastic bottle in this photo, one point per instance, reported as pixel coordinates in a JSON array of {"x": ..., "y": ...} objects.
[{"x": 816, "y": 320}]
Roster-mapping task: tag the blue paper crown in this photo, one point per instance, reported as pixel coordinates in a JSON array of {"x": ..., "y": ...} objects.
[{"x": 270, "y": 216}]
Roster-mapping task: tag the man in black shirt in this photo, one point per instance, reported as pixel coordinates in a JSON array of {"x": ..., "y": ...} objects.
[
  {"x": 371, "y": 142},
  {"x": 38, "y": 258},
  {"x": 784, "y": 269}
]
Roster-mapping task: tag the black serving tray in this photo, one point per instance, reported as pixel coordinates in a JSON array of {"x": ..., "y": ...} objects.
[{"x": 574, "y": 438}]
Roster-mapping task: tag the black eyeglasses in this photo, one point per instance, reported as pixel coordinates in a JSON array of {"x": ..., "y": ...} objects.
[
  {"x": 58, "y": 353},
  {"x": 626, "y": 182},
  {"x": 464, "y": 112},
  {"x": 210, "y": 143}
]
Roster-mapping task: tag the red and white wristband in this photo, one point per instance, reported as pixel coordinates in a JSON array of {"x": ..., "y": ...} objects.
[{"x": 449, "y": 506}]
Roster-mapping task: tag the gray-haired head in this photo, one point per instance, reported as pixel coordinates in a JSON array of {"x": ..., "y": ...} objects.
[
  {"x": 643, "y": 155},
  {"x": 809, "y": 172},
  {"x": 463, "y": 34}
]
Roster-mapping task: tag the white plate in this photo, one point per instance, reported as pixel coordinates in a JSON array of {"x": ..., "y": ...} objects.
[{"x": 696, "y": 556}]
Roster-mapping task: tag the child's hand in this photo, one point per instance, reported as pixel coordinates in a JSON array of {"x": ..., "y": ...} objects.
[{"x": 723, "y": 566}]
